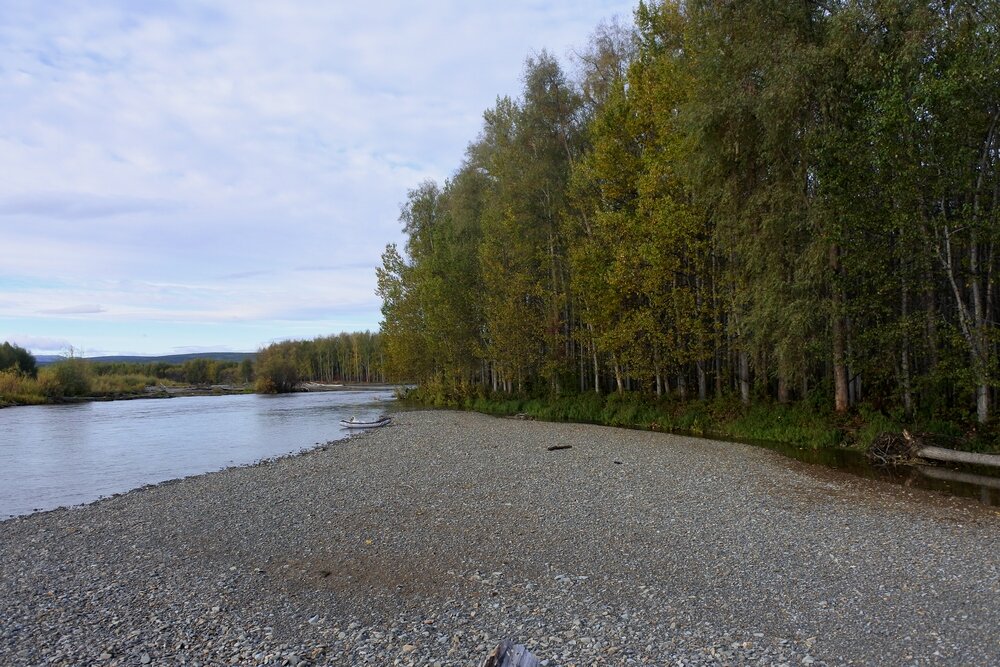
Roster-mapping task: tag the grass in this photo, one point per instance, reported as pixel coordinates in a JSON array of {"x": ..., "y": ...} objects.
[
  {"x": 50, "y": 386},
  {"x": 801, "y": 424},
  {"x": 722, "y": 418},
  {"x": 113, "y": 385},
  {"x": 18, "y": 389}
]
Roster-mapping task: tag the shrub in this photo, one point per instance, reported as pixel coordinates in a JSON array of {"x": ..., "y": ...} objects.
[
  {"x": 110, "y": 385},
  {"x": 277, "y": 372},
  {"x": 199, "y": 371},
  {"x": 19, "y": 389},
  {"x": 70, "y": 377}
]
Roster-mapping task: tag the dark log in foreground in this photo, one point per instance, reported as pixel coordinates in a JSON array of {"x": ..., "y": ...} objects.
[{"x": 509, "y": 654}]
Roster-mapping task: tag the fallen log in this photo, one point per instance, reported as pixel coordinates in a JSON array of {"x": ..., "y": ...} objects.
[
  {"x": 895, "y": 449},
  {"x": 954, "y": 456},
  {"x": 509, "y": 654}
]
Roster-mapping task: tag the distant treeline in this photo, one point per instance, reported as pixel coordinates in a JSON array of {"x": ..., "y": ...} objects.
[
  {"x": 280, "y": 367},
  {"x": 772, "y": 200},
  {"x": 22, "y": 381},
  {"x": 346, "y": 357}
]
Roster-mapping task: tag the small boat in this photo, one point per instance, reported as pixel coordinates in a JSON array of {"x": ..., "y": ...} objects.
[{"x": 354, "y": 422}]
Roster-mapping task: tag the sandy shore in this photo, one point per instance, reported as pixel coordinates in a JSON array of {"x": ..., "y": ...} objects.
[{"x": 427, "y": 542}]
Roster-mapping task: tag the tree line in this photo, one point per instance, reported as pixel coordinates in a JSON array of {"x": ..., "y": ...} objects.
[
  {"x": 346, "y": 357},
  {"x": 280, "y": 367},
  {"x": 772, "y": 200}
]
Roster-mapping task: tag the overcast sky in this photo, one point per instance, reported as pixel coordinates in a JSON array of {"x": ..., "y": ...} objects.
[{"x": 188, "y": 176}]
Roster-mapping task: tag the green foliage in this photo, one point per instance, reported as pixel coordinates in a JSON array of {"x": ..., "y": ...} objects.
[
  {"x": 786, "y": 210},
  {"x": 119, "y": 385},
  {"x": 277, "y": 370},
  {"x": 246, "y": 373},
  {"x": 67, "y": 378},
  {"x": 776, "y": 423},
  {"x": 725, "y": 418},
  {"x": 346, "y": 357},
  {"x": 199, "y": 371},
  {"x": 17, "y": 358},
  {"x": 16, "y": 388}
]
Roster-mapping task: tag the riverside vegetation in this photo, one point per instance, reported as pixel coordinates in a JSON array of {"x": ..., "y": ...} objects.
[
  {"x": 279, "y": 367},
  {"x": 759, "y": 218}
]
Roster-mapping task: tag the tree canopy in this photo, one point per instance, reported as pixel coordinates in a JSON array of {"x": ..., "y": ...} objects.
[
  {"x": 772, "y": 200},
  {"x": 12, "y": 356}
]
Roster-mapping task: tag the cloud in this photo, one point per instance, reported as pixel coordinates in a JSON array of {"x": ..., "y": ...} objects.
[
  {"x": 77, "y": 206},
  {"x": 244, "y": 274},
  {"x": 83, "y": 309},
  {"x": 41, "y": 344},
  {"x": 236, "y": 164}
]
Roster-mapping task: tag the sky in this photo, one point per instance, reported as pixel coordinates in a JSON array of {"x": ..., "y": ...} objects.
[{"x": 216, "y": 176}]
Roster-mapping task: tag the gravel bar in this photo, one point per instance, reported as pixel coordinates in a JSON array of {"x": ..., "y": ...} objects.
[{"x": 427, "y": 542}]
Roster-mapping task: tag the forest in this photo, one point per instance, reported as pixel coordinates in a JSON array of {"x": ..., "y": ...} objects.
[
  {"x": 762, "y": 202},
  {"x": 280, "y": 367},
  {"x": 346, "y": 357}
]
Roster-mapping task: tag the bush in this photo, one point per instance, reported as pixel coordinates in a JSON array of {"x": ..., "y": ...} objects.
[
  {"x": 70, "y": 377},
  {"x": 277, "y": 372},
  {"x": 19, "y": 389},
  {"x": 199, "y": 371},
  {"x": 110, "y": 385}
]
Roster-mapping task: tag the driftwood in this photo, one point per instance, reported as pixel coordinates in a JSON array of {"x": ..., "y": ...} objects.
[
  {"x": 952, "y": 456},
  {"x": 509, "y": 654},
  {"x": 894, "y": 449}
]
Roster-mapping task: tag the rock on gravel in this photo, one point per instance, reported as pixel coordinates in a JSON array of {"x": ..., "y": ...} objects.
[{"x": 427, "y": 542}]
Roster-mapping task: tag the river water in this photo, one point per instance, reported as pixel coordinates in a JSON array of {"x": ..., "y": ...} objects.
[{"x": 60, "y": 455}]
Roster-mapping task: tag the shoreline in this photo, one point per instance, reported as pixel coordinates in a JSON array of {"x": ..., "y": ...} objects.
[
  {"x": 162, "y": 391},
  {"x": 432, "y": 539}
]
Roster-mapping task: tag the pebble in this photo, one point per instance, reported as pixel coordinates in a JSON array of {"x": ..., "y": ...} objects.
[{"x": 427, "y": 542}]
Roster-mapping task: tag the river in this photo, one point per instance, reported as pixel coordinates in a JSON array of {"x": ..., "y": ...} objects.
[{"x": 61, "y": 455}]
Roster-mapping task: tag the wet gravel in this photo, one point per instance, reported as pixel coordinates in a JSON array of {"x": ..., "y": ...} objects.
[{"x": 427, "y": 542}]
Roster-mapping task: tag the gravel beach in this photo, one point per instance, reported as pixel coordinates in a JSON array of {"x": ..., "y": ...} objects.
[{"x": 427, "y": 542}]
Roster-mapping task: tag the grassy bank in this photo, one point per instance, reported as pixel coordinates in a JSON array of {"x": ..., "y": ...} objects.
[
  {"x": 52, "y": 387},
  {"x": 19, "y": 389},
  {"x": 74, "y": 380},
  {"x": 799, "y": 424}
]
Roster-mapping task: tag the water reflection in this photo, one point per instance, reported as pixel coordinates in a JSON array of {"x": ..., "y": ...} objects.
[{"x": 975, "y": 482}]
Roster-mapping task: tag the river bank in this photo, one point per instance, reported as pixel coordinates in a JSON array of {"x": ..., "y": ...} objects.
[
  {"x": 428, "y": 541},
  {"x": 175, "y": 390}
]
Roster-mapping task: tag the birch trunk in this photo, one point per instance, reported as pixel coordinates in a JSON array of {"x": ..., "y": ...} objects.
[
  {"x": 840, "y": 384},
  {"x": 744, "y": 370}
]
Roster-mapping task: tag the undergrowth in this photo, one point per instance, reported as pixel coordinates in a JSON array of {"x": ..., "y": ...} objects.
[{"x": 801, "y": 424}]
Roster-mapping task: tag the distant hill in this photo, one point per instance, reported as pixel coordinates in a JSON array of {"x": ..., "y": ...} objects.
[{"x": 44, "y": 359}]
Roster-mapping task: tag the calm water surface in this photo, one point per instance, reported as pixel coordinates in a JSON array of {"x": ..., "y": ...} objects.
[{"x": 57, "y": 455}]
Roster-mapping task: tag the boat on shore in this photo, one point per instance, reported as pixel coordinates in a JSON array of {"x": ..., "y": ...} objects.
[{"x": 354, "y": 422}]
